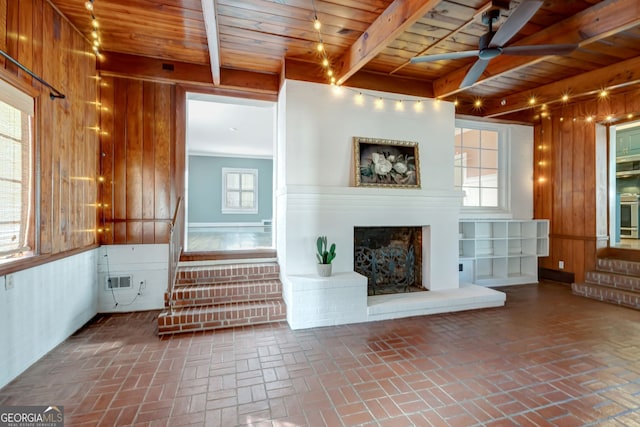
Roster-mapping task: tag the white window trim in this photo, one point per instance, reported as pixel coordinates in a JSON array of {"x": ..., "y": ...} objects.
[
  {"x": 21, "y": 100},
  {"x": 225, "y": 209},
  {"x": 504, "y": 191}
]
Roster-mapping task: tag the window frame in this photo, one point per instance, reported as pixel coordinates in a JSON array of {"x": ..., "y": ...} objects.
[
  {"x": 504, "y": 195},
  {"x": 11, "y": 263},
  {"x": 242, "y": 171}
]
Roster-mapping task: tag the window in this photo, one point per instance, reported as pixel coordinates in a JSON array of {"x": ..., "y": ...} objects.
[
  {"x": 16, "y": 172},
  {"x": 477, "y": 166},
  {"x": 240, "y": 190}
]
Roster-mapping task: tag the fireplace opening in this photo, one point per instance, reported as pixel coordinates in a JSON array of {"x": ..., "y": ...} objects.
[{"x": 390, "y": 258}]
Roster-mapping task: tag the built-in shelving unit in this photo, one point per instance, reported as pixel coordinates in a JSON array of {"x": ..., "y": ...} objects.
[{"x": 503, "y": 252}]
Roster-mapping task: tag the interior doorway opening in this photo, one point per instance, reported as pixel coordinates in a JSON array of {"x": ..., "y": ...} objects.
[
  {"x": 624, "y": 188},
  {"x": 230, "y": 174}
]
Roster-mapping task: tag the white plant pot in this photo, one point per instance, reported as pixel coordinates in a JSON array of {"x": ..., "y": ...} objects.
[{"x": 324, "y": 270}]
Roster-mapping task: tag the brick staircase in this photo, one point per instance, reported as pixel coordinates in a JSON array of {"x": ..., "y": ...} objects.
[
  {"x": 219, "y": 296},
  {"x": 616, "y": 281}
]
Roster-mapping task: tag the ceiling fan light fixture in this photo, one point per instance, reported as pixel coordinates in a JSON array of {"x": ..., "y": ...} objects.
[
  {"x": 489, "y": 53},
  {"x": 495, "y": 43}
]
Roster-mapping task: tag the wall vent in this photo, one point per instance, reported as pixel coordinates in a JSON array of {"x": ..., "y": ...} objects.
[{"x": 118, "y": 282}]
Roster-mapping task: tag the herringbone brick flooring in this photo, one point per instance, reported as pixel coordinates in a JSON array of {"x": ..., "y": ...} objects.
[{"x": 548, "y": 358}]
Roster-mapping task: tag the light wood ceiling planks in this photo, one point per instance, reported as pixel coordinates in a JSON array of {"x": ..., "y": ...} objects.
[{"x": 369, "y": 42}]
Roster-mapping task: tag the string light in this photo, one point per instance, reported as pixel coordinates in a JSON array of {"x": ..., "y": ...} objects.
[
  {"x": 95, "y": 35},
  {"x": 317, "y": 25},
  {"x": 378, "y": 102}
]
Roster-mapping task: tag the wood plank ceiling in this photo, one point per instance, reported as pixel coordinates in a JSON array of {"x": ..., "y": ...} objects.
[{"x": 245, "y": 45}]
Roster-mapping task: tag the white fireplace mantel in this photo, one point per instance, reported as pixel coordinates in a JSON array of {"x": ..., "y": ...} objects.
[{"x": 310, "y": 211}]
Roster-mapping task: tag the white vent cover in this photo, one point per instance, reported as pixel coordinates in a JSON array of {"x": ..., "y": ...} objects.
[{"x": 118, "y": 282}]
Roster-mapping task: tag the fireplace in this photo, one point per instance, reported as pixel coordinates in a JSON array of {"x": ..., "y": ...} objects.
[{"x": 390, "y": 258}]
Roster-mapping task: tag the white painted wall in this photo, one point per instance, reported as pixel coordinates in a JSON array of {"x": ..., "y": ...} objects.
[
  {"x": 316, "y": 193},
  {"x": 147, "y": 264},
  {"x": 40, "y": 307},
  {"x": 317, "y": 130}
]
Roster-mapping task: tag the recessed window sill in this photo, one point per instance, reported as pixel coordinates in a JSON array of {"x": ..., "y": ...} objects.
[{"x": 15, "y": 257}]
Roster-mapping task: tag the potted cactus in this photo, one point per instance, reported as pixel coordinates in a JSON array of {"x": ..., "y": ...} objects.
[{"x": 325, "y": 255}]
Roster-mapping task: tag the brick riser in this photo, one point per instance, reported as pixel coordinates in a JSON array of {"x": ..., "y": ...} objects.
[
  {"x": 618, "y": 266},
  {"x": 615, "y": 281},
  {"x": 606, "y": 294},
  {"x": 223, "y": 296},
  {"x": 190, "y": 319},
  {"x": 232, "y": 273},
  {"x": 197, "y": 295}
]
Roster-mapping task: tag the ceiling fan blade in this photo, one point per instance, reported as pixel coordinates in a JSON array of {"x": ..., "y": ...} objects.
[
  {"x": 441, "y": 56},
  {"x": 540, "y": 50},
  {"x": 474, "y": 73},
  {"x": 515, "y": 22}
]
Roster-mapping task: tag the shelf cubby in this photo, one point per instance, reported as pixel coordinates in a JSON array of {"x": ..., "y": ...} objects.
[{"x": 503, "y": 252}]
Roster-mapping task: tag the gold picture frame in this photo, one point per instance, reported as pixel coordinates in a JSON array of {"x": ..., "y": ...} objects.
[{"x": 386, "y": 163}]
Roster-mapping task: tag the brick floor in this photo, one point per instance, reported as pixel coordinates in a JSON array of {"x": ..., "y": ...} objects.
[{"x": 548, "y": 358}]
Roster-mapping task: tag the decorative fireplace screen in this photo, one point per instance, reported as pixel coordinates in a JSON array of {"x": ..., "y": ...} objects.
[{"x": 390, "y": 257}]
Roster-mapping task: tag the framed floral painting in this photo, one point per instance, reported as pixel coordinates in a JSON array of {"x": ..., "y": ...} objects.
[{"x": 386, "y": 163}]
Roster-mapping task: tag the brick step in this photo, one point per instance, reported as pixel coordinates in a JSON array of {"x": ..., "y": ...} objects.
[
  {"x": 227, "y": 273},
  {"x": 619, "y": 266},
  {"x": 607, "y": 294},
  {"x": 222, "y": 293},
  {"x": 189, "y": 319},
  {"x": 613, "y": 280}
]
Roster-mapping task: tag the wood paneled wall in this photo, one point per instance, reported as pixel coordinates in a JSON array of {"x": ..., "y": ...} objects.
[
  {"x": 35, "y": 34},
  {"x": 571, "y": 181},
  {"x": 141, "y": 164}
]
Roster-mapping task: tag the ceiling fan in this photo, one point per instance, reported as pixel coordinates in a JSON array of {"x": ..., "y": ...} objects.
[{"x": 492, "y": 43}]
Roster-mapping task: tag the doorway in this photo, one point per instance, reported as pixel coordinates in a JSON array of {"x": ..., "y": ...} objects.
[
  {"x": 230, "y": 174},
  {"x": 625, "y": 185}
]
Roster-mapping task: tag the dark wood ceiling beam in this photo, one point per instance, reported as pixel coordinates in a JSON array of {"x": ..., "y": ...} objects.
[
  {"x": 616, "y": 76},
  {"x": 211, "y": 28},
  {"x": 599, "y": 21},
  {"x": 144, "y": 68},
  {"x": 399, "y": 16},
  {"x": 311, "y": 72}
]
